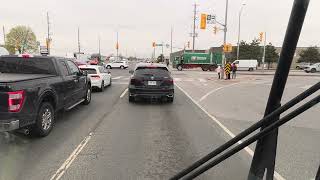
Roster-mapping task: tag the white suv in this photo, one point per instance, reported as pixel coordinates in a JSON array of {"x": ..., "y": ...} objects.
[
  {"x": 117, "y": 64},
  {"x": 313, "y": 68},
  {"x": 99, "y": 76}
]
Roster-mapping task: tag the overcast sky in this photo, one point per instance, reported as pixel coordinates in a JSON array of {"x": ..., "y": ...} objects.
[{"x": 140, "y": 22}]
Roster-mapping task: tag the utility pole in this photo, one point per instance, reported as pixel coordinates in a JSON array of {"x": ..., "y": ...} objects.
[
  {"x": 48, "y": 34},
  {"x": 264, "y": 50},
  {"x": 117, "y": 46},
  {"x": 99, "y": 48},
  {"x": 4, "y": 35},
  {"x": 171, "y": 40},
  {"x": 225, "y": 36},
  {"x": 194, "y": 26},
  {"x": 79, "y": 50},
  {"x": 239, "y": 28}
]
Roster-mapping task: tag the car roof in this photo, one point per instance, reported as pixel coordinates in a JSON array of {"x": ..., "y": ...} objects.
[{"x": 150, "y": 64}]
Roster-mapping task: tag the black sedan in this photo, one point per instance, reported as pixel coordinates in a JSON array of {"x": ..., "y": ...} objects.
[{"x": 152, "y": 81}]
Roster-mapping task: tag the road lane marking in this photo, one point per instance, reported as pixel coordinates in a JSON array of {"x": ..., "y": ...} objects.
[
  {"x": 215, "y": 90},
  {"x": 202, "y": 80},
  {"x": 306, "y": 87},
  {"x": 124, "y": 93},
  {"x": 63, "y": 168},
  {"x": 121, "y": 83},
  {"x": 118, "y": 77},
  {"x": 247, "y": 149}
]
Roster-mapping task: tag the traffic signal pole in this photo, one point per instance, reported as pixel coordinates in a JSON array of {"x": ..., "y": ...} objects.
[
  {"x": 225, "y": 37},
  {"x": 264, "y": 50}
]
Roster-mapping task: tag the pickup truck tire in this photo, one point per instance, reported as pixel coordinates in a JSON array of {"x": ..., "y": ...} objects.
[
  {"x": 179, "y": 67},
  {"x": 313, "y": 70},
  {"x": 45, "y": 120},
  {"x": 87, "y": 98}
]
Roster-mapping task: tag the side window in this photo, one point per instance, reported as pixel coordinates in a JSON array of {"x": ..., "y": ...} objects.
[
  {"x": 236, "y": 62},
  {"x": 73, "y": 68},
  {"x": 64, "y": 68}
]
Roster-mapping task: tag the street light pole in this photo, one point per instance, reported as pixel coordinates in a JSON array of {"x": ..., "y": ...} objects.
[
  {"x": 225, "y": 36},
  {"x": 239, "y": 28}
]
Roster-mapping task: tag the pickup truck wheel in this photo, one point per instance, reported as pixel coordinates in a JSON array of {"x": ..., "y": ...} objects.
[
  {"x": 45, "y": 120},
  {"x": 87, "y": 98},
  {"x": 313, "y": 70},
  {"x": 179, "y": 67}
]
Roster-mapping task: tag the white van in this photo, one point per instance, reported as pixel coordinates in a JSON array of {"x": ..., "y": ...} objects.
[{"x": 246, "y": 64}]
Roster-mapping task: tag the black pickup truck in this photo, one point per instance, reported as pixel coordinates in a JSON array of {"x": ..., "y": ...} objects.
[{"x": 34, "y": 88}]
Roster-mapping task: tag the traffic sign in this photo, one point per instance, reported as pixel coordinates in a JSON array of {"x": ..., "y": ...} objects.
[
  {"x": 211, "y": 19},
  {"x": 44, "y": 50}
]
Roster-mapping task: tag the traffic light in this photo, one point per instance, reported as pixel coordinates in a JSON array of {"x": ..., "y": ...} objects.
[
  {"x": 215, "y": 29},
  {"x": 117, "y": 46},
  {"x": 153, "y": 44},
  {"x": 203, "y": 21},
  {"x": 261, "y": 36},
  {"x": 188, "y": 44}
]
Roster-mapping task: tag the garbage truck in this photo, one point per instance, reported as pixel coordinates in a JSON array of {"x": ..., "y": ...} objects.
[{"x": 206, "y": 61}]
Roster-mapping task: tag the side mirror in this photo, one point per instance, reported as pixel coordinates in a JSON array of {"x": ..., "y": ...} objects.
[
  {"x": 84, "y": 73},
  {"x": 131, "y": 71}
]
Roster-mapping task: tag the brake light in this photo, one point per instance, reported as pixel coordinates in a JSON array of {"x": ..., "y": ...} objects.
[
  {"x": 95, "y": 76},
  {"x": 169, "y": 81},
  {"x": 134, "y": 81},
  {"x": 15, "y": 101},
  {"x": 25, "y": 55}
]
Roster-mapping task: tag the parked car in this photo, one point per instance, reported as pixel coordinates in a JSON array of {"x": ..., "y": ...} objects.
[
  {"x": 34, "y": 88},
  {"x": 151, "y": 80},
  {"x": 246, "y": 64},
  {"x": 313, "y": 68},
  {"x": 117, "y": 64},
  {"x": 99, "y": 75},
  {"x": 302, "y": 65}
]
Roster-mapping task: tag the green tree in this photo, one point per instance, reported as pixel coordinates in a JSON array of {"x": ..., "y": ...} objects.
[
  {"x": 271, "y": 55},
  {"x": 311, "y": 54},
  {"x": 248, "y": 51},
  {"x": 21, "y": 39}
]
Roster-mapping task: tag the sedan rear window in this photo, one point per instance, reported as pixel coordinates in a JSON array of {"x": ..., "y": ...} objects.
[
  {"x": 154, "y": 71},
  {"x": 90, "y": 71}
]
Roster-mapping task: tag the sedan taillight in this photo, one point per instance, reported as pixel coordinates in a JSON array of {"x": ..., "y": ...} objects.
[
  {"x": 95, "y": 76},
  {"x": 168, "y": 81},
  {"x": 15, "y": 101},
  {"x": 134, "y": 81}
]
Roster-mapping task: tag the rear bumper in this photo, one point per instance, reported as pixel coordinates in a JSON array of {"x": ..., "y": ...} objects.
[
  {"x": 151, "y": 93},
  {"x": 9, "y": 125}
]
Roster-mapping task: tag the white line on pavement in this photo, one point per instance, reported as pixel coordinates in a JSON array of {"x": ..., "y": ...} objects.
[
  {"x": 122, "y": 83},
  {"x": 118, "y": 77},
  {"x": 124, "y": 93},
  {"x": 215, "y": 90},
  {"x": 202, "y": 80},
  {"x": 247, "y": 149},
  {"x": 63, "y": 168}
]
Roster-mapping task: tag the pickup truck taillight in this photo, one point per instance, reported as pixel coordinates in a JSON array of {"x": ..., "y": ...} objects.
[{"x": 15, "y": 101}]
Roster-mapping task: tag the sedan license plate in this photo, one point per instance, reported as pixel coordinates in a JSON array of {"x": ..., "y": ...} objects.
[{"x": 152, "y": 83}]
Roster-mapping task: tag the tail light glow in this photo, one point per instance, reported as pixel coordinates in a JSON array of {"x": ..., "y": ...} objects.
[
  {"x": 95, "y": 76},
  {"x": 15, "y": 101}
]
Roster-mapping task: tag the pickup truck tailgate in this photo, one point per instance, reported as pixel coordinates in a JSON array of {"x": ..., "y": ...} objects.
[{"x": 3, "y": 98}]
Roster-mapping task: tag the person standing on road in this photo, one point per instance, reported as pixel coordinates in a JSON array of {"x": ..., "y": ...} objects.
[
  {"x": 227, "y": 70},
  {"x": 234, "y": 69},
  {"x": 219, "y": 70}
]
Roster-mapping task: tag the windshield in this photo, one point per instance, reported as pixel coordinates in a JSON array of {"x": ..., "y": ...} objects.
[
  {"x": 159, "y": 89},
  {"x": 26, "y": 66}
]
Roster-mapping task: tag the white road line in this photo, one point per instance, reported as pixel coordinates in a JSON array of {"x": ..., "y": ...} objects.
[
  {"x": 63, "y": 168},
  {"x": 118, "y": 77},
  {"x": 215, "y": 90},
  {"x": 122, "y": 83},
  {"x": 177, "y": 79},
  {"x": 124, "y": 93},
  {"x": 247, "y": 149},
  {"x": 202, "y": 80},
  {"x": 306, "y": 87}
]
